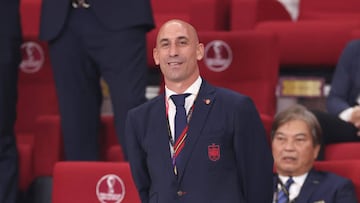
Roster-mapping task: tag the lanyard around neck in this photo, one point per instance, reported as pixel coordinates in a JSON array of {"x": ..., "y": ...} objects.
[{"x": 188, "y": 117}]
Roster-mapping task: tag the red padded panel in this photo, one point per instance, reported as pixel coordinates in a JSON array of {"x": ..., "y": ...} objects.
[
  {"x": 30, "y": 17},
  {"x": 267, "y": 121},
  {"x": 115, "y": 153},
  {"x": 342, "y": 151},
  {"x": 253, "y": 69},
  {"x": 210, "y": 15},
  {"x": 355, "y": 34},
  {"x": 329, "y": 9},
  {"x": 245, "y": 14},
  {"x": 48, "y": 145},
  {"x": 170, "y": 6},
  {"x": 78, "y": 181},
  {"x": 36, "y": 87},
  {"x": 25, "y": 147},
  {"x": 310, "y": 42}
]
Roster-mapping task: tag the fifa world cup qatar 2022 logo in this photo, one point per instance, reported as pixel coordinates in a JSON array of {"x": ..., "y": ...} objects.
[
  {"x": 218, "y": 55},
  {"x": 33, "y": 57},
  {"x": 110, "y": 189}
]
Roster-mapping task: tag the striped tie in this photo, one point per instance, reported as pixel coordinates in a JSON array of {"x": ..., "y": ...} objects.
[{"x": 283, "y": 195}]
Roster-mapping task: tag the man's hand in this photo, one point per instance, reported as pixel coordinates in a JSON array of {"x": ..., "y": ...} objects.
[{"x": 355, "y": 118}]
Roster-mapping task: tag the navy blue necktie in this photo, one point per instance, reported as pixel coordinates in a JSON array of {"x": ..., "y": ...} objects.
[
  {"x": 180, "y": 122},
  {"x": 180, "y": 116},
  {"x": 283, "y": 194}
]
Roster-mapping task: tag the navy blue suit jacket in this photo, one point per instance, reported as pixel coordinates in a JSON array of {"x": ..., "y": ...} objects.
[
  {"x": 345, "y": 86},
  {"x": 114, "y": 14},
  {"x": 243, "y": 171},
  {"x": 325, "y": 187}
]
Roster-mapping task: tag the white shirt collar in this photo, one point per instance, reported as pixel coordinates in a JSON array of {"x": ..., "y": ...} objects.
[
  {"x": 295, "y": 188},
  {"x": 193, "y": 89},
  {"x": 297, "y": 179}
]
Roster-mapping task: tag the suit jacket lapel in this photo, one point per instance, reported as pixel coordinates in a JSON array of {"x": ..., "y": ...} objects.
[
  {"x": 197, "y": 121},
  {"x": 161, "y": 134},
  {"x": 309, "y": 186}
]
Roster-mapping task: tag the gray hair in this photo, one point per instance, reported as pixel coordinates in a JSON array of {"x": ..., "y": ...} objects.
[{"x": 298, "y": 112}]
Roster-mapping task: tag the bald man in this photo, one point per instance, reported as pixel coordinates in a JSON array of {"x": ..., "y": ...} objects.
[{"x": 221, "y": 154}]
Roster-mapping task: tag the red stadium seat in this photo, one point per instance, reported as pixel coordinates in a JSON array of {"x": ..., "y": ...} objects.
[
  {"x": 346, "y": 168},
  {"x": 329, "y": 10},
  {"x": 37, "y": 99},
  {"x": 310, "y": 43},
  {"x": 86, "y": 182},
  {"x": 245, "y": 14},
  {"x": 314, "y": 41},
  {"x": 25, "y": 147},
  {"x": 30, "y": 17},
  {"x": 210, "y": 15},
  {"x": 342, "y": 151},
  {"x": 267, "y": 121},
  {"x": 110, "y": 147},
  {"x": 355, "y": 34},
  {"x": 246, "y": 62},
  {"x": 49, "y": 147},
  {"x": 115, "y": 154}
]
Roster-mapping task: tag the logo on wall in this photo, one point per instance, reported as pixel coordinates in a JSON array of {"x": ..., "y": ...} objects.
[
  {"x": 110, "y": 189},
  {"x": 218, "y": 55},
  {"x": 32, "y": 57}
]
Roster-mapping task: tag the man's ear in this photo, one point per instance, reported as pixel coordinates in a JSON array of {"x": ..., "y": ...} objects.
[
  {"x": 156, "y": 56},
  {"x": 316, "y": 151},
  {"x": 200, "y": 51}
]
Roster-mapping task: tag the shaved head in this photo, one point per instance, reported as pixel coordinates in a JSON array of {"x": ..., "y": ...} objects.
[{"x": 178, "y": 23}]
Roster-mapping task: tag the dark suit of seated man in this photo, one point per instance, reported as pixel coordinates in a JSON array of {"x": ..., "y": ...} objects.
[{"x": 296, "y": 136}]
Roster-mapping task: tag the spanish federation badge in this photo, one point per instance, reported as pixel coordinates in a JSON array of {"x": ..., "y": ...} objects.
[{"x": 214, "y": 152}]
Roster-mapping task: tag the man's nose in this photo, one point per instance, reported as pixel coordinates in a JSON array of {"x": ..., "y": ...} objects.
[
  {"x": 173, "y": 50},
  {"x": 289, "y": 145}
]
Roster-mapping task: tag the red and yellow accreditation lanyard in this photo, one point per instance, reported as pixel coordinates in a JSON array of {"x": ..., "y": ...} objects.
[{"x": 177, "y": 145}]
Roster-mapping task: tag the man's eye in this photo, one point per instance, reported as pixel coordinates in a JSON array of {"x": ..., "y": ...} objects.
[
  {"x": 183, "y": 42},
  {"x": 164, "y": 45},
  {"x": 300, "y": 139},
  {"x": 279, "y": 138}
]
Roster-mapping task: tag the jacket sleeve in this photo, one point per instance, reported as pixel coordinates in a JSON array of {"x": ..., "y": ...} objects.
[
  {"x": 137, "y": 157},
  {"x": 254, "y": 158},
  {"x": 346, "y": 193}
]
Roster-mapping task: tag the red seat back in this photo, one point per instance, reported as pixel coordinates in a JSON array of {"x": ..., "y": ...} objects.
[
  {"x": 246, "y": 13},
  {"x": 342, "y": 151},
  {"x": 246, "y": 62},
  {"x": 326, "y": 39},
  {"x": 36, "y": 86},
  {"x": 110, "y": 147},
  {"x": 329, "y": 9},
  {"x": 87, "y": 182}
]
